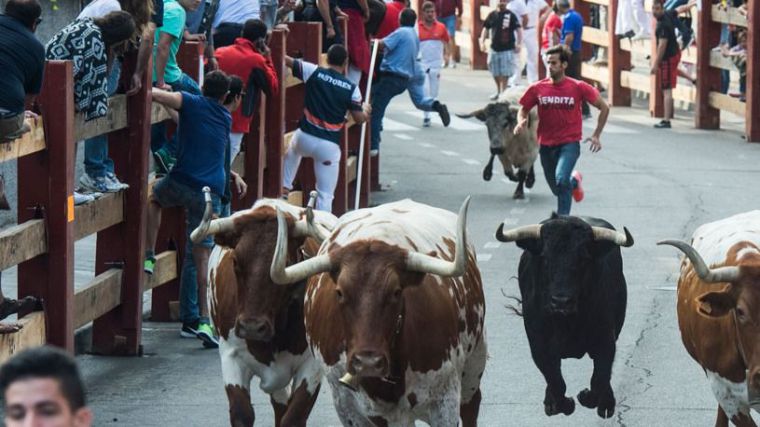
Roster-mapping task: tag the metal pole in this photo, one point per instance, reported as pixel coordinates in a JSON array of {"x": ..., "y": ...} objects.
[{"x": 364, "y": 127}]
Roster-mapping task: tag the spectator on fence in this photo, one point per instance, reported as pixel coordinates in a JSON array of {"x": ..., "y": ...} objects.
[
  {"x": 168, "y": 76},
  {"x": 326, "y": 12},
  {"x": 434, "y": 46},
  {"x": 520, "y": 9},
  {"x": 449, "y": 12},
  {"x": 572, "y": 31},
  {"x": 356, "y": 38},
  {"x": 560, "y": 126},
  {"x": 248, "y": 58},
  {"x": 551, "y": 33},
  {"x": 500, "y": 26},
  {"x": 390, "y": 19},
  {"x": 229, "y": 19},
  {"x": 665, "y": 62},
  {"x": 203, "y": 135},
  {"x": 99, "y": 174},
  {"x": 329, "y": 95},
  {"x": 738, "y": 55},
  {"x": 22, "y": 60},
  {"x": 398, "y": 70},
  {"x": 632, "y": 20},
  {"x": 42, "y": 386}
]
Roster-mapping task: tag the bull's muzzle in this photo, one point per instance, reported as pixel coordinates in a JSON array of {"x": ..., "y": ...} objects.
[
  {"x": 254, "y": 328},
  {"x": 497, "y": 151},
  {"x": 562, "y": 305},
  {"x": 369, "y": 364}
]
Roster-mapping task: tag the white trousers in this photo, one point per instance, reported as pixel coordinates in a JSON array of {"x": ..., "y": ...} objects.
[
  {"x": 432, "y": 83},
  {"x": 530, "y": 41},
  {"x": 326, "y": 156},
  {"x": 354, "y": 74},
  {"x": 631, "y": 16},
  {"x": 236, "y": 139}
]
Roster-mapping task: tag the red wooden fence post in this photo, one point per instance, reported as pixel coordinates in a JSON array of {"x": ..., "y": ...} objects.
[
  {"x": 619, "y": 60},
  {"x": 275, "y": 120},
  {"x": 119, "y": 331},
  {"x": 479, "y": 58},
  {"x": 708, "y": 34},
  {"x": 752, "y": 119},
  {"x": 46, "y": 180}
]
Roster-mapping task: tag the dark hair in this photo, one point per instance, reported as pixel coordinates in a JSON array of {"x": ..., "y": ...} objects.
[
  {"x": 254, "y": 29},
  {"x": 563, "y": 4},
  {"x": 216, "y": 84},
  {"x": 45, "y": 362},
  {"x": 140, "y": 10},
  {"x": 562, "y": 50},
  {"x": 236, "y": 89},
  {"x": 26, "y": 11},
  {"x": 407, "y": 18},
  {"x": 116, "y": 27},
  {"x": 428, "y": 5},
  {"x": 658, "y": 2},
  {"x": 337, "y": 55}
]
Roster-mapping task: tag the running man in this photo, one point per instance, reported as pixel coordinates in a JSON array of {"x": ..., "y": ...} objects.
[
  {"x": 559, "y": 100},
  {"x": 434, "y": 46},
  {"x": 329, "y": 94}
]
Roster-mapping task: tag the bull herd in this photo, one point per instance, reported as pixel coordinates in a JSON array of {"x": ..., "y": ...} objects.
[{"x": 387, "y": 305}]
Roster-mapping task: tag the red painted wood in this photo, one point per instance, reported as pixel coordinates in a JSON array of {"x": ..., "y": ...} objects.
[
  {"x": 46, "y": 179},
  {"x": 656, "y": 105},
  {"x": 753, "y": 73},
  {"x": 479, "y": 57},
  {"x": 708, "y": 34},
  {"x": 618, "y": 60},
  {"x": 119, "y": 331},
  {"x": 275, "y": 120}
]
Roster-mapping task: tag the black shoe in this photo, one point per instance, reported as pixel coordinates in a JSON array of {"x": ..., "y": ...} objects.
[
  {"x": 189, "y": 330},
  {"x": 664, "y": 124},
  {"x": 442, "y": 111}
]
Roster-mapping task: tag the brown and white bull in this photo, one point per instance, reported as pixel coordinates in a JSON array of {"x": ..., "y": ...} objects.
[
  {"x": 260, "y": 323},
  {"x": 719, "y": 311},
  {"x": 517, "y": 153},
  {"x": 395, "y": 300}
]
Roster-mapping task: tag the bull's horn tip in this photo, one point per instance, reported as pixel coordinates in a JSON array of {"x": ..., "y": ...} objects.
[
  {"x": 665, "y": 242},
  {"x": 628, "y": 238},
  {"x": 500, "y": 232}
]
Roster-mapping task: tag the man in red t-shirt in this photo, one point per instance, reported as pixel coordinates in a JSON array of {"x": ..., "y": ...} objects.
[
  {"x": 559, "y": 100},
  {"x": 551, "y": 33}
]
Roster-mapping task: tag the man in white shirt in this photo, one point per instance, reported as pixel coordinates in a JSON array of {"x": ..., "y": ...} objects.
[
  {"x": 230, "y": 17},
  {"x": 520, "y": 9},
  {"x": 536, "y": 9}
]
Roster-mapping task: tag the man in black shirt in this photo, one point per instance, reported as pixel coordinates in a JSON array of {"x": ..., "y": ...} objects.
[
  {"x": 667, "y": 58},
  {"x": 22, "y": 59},
  {"x": 501, "y": 25}
]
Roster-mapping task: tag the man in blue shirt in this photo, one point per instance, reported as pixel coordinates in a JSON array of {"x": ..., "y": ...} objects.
[
  {"x": 399, "y": 66},
  {"x": 572, "y": 31},
  {"x": 203, "y": 139}
]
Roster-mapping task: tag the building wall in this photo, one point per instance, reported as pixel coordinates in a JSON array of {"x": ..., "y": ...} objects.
[{"x": 56, "y": 14}]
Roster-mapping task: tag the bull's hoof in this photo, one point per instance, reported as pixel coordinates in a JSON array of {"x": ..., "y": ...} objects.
[
  {"x": 565, "y": 406},
  {"x": 530, "y": 180},
  {"x": 518, "y": 195},
  {"x": 487, "y": 174},
  {"x": 588, "y": 398},
  {"x": 606, "y": 407}
]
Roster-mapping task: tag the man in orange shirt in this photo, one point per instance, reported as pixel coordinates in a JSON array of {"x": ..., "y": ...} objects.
[{"x": 434, "y": 43}]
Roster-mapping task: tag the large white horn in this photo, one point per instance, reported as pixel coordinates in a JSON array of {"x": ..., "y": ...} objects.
[
  {"x": 519, "y": 233},
  {"x": 708, "y": 275},
  {"x": 315, "y": 231},
  {"x": 209, "y": 227},
  {"x": 280, "y": 272},
  {"x": 423, "y": 263},
  {"x": 621, "y": 239}
]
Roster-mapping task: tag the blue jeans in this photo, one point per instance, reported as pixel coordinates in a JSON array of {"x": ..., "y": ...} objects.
[
  {"x": 189, "y": 311},
  {"x": 96, "y": 161},
  {"x": 416, "y": 88},
  {"x": 388, "y": 86},
  {"x": 158, "y": 137},
  {"x": 558, "y": 163},
  {"x": 672, "y": 4}
]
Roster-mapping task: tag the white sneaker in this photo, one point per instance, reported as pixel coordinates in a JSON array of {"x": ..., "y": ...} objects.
[
  {"x": 99, "y": 185},
  {"x": 374, "y": 153},
  {"x": 426, "y": 122},
  {"x": 114, "y": 181},
  {"x": 494, "y": 97},
  {"x": 80, "y": 199}
]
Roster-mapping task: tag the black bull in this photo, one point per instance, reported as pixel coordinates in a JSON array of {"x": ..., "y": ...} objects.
[{"x": 573, "y": 302}]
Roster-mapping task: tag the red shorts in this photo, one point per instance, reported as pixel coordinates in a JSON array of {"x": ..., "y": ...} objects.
[
  {"x": 356, "y": 41},
  {"x": 669, "y": 71}
]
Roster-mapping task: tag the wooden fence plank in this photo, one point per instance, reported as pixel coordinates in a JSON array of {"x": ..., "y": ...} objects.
[
  {"x": 115, "y": 119},
  {"x": 729, "y": 16},
  {"x": 708, "y": 34},
  {"x": 32, "y": 334},
  {"x": 634, "y": 81},
  {"x": 725, "y": 102},
  {"x": 166, "y": 270},
  {"x": 29, "y": 143},
  {"x": 98, "y": 215},
  {"x": 595, "y": 36},
  {"x": 595, "y": 72},
  {"x": 158, "y": 113},
  {"x": 98, "y": 297},
  {"x": 22, "y": 242}
]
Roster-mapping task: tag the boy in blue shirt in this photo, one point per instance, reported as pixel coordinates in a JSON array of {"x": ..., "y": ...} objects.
[
  {"x": 572, "y": 31},
  {"x": 203, "y": 138}
]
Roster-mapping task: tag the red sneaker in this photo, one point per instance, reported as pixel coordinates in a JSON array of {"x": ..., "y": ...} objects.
[{"x": 578, "y": 192}]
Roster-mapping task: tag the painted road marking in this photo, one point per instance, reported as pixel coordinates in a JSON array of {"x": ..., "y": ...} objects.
[
  {"x": 471, "y": 162},
  {"x": 609, "y": 128},
  {"x": 483, "y": 257},
  {"x": 492, "y": 245},
  {"x": 449, "y": 153},
  {"x": 456, "y": 122},
  {"x": 517, "y": 211},
  {"x": 404, "y": 137},
  {"x": 391, "y": 125},
  {"x": 426, "y": 144}
]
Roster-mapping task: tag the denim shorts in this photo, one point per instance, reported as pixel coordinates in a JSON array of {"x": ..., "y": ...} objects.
[
  {"x": 451, "y": 24},
  {"x": 169, "y": 194}
]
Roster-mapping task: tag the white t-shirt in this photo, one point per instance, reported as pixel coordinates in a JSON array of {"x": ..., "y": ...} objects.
[
  {"x": 518, "y": 8},
  {"x": 99, "y": 9},
  {"x": 236, "y": 11},
  {"x": 534, "y": 11}
]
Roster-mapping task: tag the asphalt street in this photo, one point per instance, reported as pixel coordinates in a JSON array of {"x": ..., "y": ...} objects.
[{"x": 658, "y": 183}]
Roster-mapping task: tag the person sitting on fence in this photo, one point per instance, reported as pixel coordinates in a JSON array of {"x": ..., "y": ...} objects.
[
  {"x": 167, "y": 75},
  {"x": 356, "y": 38},
  {"x": 738, "y": 55},
  {"x": 98, "y": 167},
  {"x": 92, "y": 44},
  {"x": 203, "y": 135},
  {"x": 249, "y": 58},
  {"x": 22, "y": 59},
  {"x": 500, "y": 25},
  {"x": 326, "y": 12},
  {"x": 43, "y": 386},
  {"x": 329, "y": 94}
]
